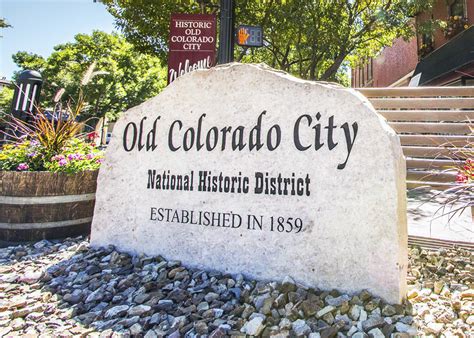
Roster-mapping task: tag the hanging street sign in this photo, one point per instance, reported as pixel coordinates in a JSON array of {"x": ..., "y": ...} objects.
[
  {"x": 192, "y": 43},
  {"x": 250, "y": 36}
]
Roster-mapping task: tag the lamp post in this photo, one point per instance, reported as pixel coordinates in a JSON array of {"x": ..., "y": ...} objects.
[
  {"x": 226, "y": 32},
  {"x": 27, "y": 93}
]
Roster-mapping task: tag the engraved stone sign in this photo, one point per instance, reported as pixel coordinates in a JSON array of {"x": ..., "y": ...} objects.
[{"x": 244, "y": 169}]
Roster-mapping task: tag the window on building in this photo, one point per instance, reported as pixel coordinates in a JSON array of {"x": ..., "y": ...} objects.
[{"x": 456, "y": 7}]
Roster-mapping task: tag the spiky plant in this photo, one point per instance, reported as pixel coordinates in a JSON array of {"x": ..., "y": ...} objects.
[{"x": 52, "y": 132}]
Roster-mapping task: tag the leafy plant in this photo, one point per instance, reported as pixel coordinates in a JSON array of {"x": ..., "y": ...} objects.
[
  {"x": 460, "y": 196},
  {"x": 76, "y": 155},
  {"x": 455, "y": 25},
  {"x": 51, "y": 141},
  {"x": 6, "y": 97}
]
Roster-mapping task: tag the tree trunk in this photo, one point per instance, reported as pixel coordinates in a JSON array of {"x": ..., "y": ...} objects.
[{"x": 332, "y": 70}]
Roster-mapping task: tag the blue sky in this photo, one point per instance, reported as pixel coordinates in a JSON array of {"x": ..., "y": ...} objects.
[{"x": 39, "y": 25}]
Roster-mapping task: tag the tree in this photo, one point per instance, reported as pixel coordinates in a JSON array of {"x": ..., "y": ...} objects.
[
  {"x": 123, "y": 77},
  {"x": 312, "y": 39},
  {"x": 4, "y": 24},
  {"x": 6, "y": 97}
]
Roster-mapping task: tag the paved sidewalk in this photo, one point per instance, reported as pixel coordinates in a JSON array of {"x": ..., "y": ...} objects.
[{"x": 426, "y": 220}]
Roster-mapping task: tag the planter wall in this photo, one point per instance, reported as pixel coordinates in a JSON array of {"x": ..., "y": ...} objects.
[{"x": 44, "y": 205}]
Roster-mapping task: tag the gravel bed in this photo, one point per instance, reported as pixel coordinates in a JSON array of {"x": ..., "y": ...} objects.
[{"x": 64, "y": 288}]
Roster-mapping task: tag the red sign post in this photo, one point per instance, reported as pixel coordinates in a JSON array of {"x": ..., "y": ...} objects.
[{"x": 192, "y": 43}]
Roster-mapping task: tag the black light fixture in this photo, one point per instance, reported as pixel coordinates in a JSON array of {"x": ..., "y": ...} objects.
[{"x": 27, "y": 93}]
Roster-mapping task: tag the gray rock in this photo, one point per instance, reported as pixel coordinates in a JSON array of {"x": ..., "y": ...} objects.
[
  {"x": 165, "y": 305},
  {"x": 253, "y": 327},
  {"x": 116, "y": 311},
  {"x": 95, "y": 296},
  {"x": 351, "y": 331},
  {"x": 256, "y": 314},
  {"x": 72, "y": 298},
  {"x": 201, "y": 328},
  {"x": 310, "y": 307},
  {"x": 218, "y": 333},
  {"x": 360, "y": 335},
  {"x": 400, "y": 335},
  {"x": 288, "y": 285},
  {"x": 337, "y": 301},
  {"x": 151, "y": 334},
  {"x": 211, "y": 296},
  {"x": 285, "y": 324},
  {"x": 203, "y": 306},
  {"x": 314, "y": 335},
  {"x": 155, "y": 319},
  {"x": 136, "y": 329},
  {"x": 372, "y": 323},
  {"x": 389, "y": 310},
  {"x": 325, "y": 310},
  {"x": 354, "y": 312},
  {"x": 404, "y": 328},
  {"x": 300, "y": 328},
  {"x": 139, "y": 310},
  {"x": 376, "y": 333}
]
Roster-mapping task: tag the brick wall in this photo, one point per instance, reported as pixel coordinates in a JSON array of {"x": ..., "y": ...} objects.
[
  {"x": 401, "y": 58},
  {"x": 392, "y": 64}
]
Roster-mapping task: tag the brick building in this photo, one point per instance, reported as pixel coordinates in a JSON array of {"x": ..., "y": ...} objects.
[{"x": 445, "y": 57}]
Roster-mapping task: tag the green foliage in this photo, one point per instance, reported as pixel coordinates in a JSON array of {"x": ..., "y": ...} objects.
[
  {"x": 125, "y": 77},
  {"x": 6, "y": 97},
  {"x": 76, "y": 156},
  {"x": 29, "y": 61},
  {"x": 4, "y": 24},
  {"x": 310, "y": 38}
]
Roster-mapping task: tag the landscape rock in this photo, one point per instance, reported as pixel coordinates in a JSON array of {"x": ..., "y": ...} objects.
[
  {"x": 300, "y": 328},
  {"x": 253, "y": 327},
  {"x": 133, "y": 295}
]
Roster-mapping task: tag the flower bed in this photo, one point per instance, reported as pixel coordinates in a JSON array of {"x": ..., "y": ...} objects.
[{"x": 48, "y": 172}]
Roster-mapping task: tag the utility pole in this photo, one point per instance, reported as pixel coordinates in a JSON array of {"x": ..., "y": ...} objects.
[{"x": 226, "y": 32}]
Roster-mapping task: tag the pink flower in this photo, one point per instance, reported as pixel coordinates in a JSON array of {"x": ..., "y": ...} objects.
[
  {"x": 90, "y": 156},
  {"x": 461, "y": 178},
  {"x": 99, "y": 160},
  {"x": 22, "y": 166},
  {"x": 57, "y": 158},
  {"x": 92, "y": 135},
  {"x": 62, "y": 162},
  {"x": 72, "y": 157}
]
